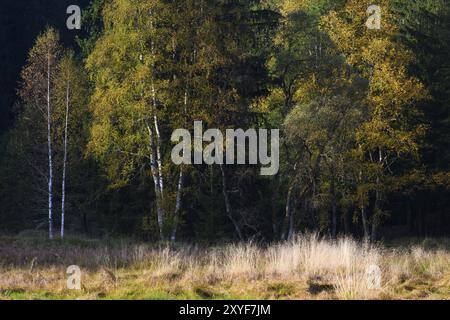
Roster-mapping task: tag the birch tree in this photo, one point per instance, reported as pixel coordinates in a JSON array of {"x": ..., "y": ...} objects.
[
  {"x": 69, "y": 114},
  {"x": 141, "y": 68},
  {"x": 389, "y": 134},
  {"x": 302, "y": 63},
  {"x": 37, "y": 92}
]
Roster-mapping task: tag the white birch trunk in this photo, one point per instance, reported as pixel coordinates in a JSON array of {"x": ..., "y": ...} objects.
[
  {"x": 156, "y": 164},
  {"x": 157, "y": 142},
  {"x": 50, "y": 161},
  {"x": 155, "y": 150},
  {"x": 156, "y": 181},
  {"x": 63, "y": 197},
  {"x": 178, "y": 204}
]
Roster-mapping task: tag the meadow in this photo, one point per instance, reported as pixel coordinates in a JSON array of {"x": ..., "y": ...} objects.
[{"x": 308, "y": 267}]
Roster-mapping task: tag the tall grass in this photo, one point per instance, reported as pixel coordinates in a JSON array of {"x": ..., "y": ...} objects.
[{"x": 340, "y": 266}]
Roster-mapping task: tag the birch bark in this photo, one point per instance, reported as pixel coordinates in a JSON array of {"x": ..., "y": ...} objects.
[
  {"x": 63, "y": 191},
  {"x": 49, "y": 146}
]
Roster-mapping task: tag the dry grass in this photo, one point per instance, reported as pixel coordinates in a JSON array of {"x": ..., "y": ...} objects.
[{"x": 306, "y": 268}]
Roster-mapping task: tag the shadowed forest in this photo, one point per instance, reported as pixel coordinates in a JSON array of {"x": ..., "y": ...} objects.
[
  {"x": 86, "y": 142},
  {"x": 363, "y": 116}
]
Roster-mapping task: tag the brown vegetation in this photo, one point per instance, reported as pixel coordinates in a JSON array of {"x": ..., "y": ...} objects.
[{"x": 306, "y": 268}]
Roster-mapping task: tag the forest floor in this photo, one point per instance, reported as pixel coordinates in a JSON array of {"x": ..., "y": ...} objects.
[{"x": 306, "y": 268}]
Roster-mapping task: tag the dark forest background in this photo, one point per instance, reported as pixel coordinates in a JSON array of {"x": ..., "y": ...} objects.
[
  {"x": 115, "y": 196},
  {"x": 21, "y": 22}
]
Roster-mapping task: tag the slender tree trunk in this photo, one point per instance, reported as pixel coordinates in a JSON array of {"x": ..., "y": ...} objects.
[
  {"x": 376, "y": 213},
  {"x": 63, "y": 191},
  {"x": 365, "y": 223},
  {"x": 274, "y": 208},
  {"x": 156, "y": 180},
  {"x": 178, "y": 205},
  {"x": 288, "y": 221},
  {"x": 334, "y": 220},
  {"x": 291, "y": 225},
  {"x": 364, "y": 214},
  {"x": 377, "y": 207},
  {"x": 374, "y": 234},
  {"x": 155, "y": 151},
  {"x": 158, "y": 146},
  {"x": 333, "y": 209},
  {"x": 50, "y": 161},
  {"x": 228, "y": 207},
  {"x": 157, "y": 139}
]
